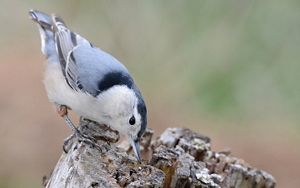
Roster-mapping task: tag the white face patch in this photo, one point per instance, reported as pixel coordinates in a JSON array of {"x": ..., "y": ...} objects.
[
  {"x": 120, "y": 103},
  {"x": 137, "y": 126}
]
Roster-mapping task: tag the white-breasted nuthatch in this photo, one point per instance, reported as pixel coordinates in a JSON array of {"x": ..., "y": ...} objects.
[{"x": 82, "y": 77}]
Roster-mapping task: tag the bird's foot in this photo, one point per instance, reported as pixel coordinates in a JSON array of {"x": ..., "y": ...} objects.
[
  {"x": 81, "y": 138},
  {"x": 62, "y": 110},
  {"x": 89, "y": 140}
]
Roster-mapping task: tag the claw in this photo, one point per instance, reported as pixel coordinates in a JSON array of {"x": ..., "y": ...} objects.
[{"x": 67, "y": 145}]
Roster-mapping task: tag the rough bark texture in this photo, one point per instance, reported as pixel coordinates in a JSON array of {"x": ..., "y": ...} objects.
[{"x": 178, "y": 158}]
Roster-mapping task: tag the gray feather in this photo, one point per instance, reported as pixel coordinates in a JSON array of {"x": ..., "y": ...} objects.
[
  {"x": 44, "y": 23},
  {"x": 92, "y": 65},
  {"x": 83, "y": 65}
]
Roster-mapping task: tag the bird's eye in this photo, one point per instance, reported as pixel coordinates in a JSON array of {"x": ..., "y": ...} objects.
[{"x": 132, "y": 120}]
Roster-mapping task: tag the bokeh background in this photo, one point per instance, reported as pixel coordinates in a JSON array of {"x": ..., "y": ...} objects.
[{"x": 227, "y": 69}]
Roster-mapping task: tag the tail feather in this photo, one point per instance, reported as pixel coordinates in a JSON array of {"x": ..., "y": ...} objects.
[
  {"x": 57, "y": 41},
  {"x": 45, "y": 25},
  {"x": 43, "y": 19}
]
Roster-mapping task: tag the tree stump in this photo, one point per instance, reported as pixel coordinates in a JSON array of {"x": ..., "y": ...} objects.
[{"x": 178, "y": 158}]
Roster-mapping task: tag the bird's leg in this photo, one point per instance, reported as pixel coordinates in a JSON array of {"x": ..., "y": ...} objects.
[{"x": 62, "y": 110}]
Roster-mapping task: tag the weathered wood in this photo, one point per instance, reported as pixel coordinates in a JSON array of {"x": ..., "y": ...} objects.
[
  {"x": 207, "y": 168},
  {"x": 178, "y": 158},
  {"x": 104, "y": 165}
]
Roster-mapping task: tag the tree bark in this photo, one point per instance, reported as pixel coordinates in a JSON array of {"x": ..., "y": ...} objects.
[{"x": 178, "y": 158}]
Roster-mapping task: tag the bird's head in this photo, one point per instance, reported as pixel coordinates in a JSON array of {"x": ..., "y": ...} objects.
[{"x": 127, "y": 113}]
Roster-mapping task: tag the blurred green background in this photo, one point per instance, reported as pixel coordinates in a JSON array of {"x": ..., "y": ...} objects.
[{"x": 227, "y": 69}]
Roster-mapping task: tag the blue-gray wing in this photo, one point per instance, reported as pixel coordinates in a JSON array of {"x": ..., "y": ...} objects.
[
  {"x": 95, "y": 71},
  {"x": 85, "y": 67}
]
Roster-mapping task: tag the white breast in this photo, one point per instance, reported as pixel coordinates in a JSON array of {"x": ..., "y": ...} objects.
[{"x": 59, "y": 92}]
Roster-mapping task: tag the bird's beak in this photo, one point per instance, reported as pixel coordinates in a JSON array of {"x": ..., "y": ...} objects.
[{"x": 136, "y": 148}]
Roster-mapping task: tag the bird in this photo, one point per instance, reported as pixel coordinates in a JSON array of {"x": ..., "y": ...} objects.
[{"x": 89, "y": 81}]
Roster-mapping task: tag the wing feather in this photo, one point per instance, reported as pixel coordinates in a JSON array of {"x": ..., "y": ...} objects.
[
  {"x": 83, "y": 65},
  {"x": 66, "y": 42}
]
